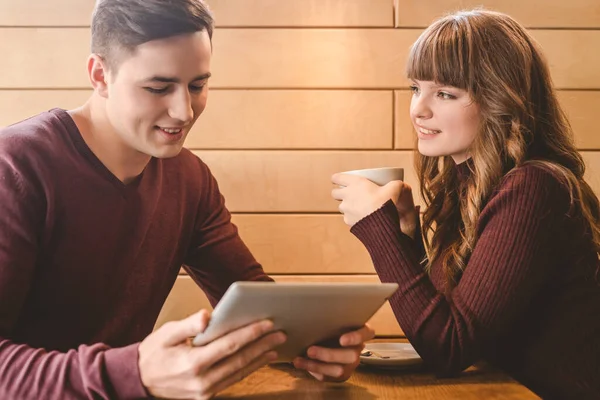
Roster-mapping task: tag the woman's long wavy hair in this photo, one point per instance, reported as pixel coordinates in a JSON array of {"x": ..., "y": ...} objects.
[{"x": 500, "y": 65}]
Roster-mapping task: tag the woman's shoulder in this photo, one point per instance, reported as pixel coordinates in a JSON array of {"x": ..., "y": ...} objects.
[
  {"x": 538, "y": 174},
  {"x": 537, "y": 183}
]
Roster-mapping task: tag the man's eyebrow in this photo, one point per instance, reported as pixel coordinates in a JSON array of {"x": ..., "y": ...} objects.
[{"x": 166, "y": 79}]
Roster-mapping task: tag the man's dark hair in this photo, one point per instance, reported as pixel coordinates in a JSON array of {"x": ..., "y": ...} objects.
[{"x": 119, "y": 26}]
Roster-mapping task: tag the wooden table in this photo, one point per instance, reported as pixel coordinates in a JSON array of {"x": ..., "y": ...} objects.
[{"x": 283, "y": 381}]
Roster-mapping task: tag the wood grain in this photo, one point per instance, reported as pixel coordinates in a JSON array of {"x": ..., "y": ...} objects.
[
  {"x": 282, "y": 381},
  {"x": 531, "y": 13},
  {"x": 303, "y": 13},
  {"x": 292, "y": 181},
  {"x": 265, "y": 13},
  {"x": 282, "y": 58},
  {"x": 303, "y": 244}
]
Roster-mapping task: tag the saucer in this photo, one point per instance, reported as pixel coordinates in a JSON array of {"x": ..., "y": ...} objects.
[{"x": 390, "y": 355}]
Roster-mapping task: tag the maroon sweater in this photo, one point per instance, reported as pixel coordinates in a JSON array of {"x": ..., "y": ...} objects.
[
  {"x": 527, "y": 302},
  {"x": 86, "y": 262}
]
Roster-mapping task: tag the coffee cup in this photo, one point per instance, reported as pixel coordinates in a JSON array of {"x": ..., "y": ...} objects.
[{"x": 379, "y": 176}]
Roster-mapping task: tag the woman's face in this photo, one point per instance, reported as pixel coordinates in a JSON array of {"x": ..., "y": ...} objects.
[{"x": 445, "y": 118}]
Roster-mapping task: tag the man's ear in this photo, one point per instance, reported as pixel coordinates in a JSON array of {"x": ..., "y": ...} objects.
[{"x": 98, "y": 74}]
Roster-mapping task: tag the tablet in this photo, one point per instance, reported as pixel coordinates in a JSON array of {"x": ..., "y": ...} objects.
[{"x": 309, "y": 313}]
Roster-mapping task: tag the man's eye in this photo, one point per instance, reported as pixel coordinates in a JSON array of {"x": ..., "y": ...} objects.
[
  {"x": 195, "y": 88},
  {"x": 156, "y": 90}
]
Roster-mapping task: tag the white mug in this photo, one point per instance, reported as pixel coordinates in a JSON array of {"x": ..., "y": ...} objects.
[{"x": 379, "y": 176}]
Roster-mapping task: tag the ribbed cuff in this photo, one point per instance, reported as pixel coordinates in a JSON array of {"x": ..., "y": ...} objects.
[
  {"x": 124, "y": 373},
  {"x": 375, "y": 229}
]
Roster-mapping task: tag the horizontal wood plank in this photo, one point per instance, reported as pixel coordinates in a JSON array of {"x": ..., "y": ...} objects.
[
  {"x": 264, "y": 58},
  {"x": 303, "y": 13},
  {"x": 321, "y": 119},
  {"x": 187, "y": 298},
  {"x": 580, "y": 106},
  {"x": 264, "y": 119},
  {"x": 573, "y": 63},
  {"x": 46, "y": 12},
  {"x": 307, "y": 119},
  {"x": 303, "y": 244},
  {"x": 292, "y": 181},
  {"x": 17, "y": 105},
  {"x": 267, "y": 13},
  {"x": 311, "y": 58},
  {"x": 44, "y": 58},
  {"x": 531, "y": 13},
  {"x": 592, "y": 173},
  {"x": 243, "y": 58},
  {"x": 404, "y": 134}
]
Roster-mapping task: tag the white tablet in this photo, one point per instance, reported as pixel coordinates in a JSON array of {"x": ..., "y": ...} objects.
[{"x": 309, "y": 313}]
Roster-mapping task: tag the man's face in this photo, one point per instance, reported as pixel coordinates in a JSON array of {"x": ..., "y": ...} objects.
[{"x": 155, "y": 95}]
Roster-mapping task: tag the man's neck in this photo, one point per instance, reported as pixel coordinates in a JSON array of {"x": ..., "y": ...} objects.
[{"x": 121, "y": 160}]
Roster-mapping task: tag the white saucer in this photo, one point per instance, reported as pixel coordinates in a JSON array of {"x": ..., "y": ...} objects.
[{"x": 390, "y": 355}]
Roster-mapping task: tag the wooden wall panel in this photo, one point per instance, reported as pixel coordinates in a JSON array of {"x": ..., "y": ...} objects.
[
  {"x": 16, "y": 105},
  {"x": 592, "y": 174},
  {"x": 403, "y": 128},
  {"x": 306, "y": 13},
  {"x": 46, "y": 12},
  {"x": 292, "y": 181},
  {"x": 311, "y": 58},
  {"x": 531, "y": 13},
  {"x": 243, "y": 58},
  {"x": 311, "y": 13},
  {"x": 187, "y": 298},
  {"x": 259, "y": 119},
  {"x": 581, "y": 108},
  {"x": 44, "y": 58},
  {"x": 320, "y": 119},
  {"x": 574, "y": 61},
  {"x": 303, "y": 244},
  {"x": 282, "y": 58}
]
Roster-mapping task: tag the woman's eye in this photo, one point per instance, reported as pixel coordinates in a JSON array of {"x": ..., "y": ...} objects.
[
  {"x": 446, "y": 96},
  {"x": 414, "y": 89},
  {"x": 156, "y": 90}
]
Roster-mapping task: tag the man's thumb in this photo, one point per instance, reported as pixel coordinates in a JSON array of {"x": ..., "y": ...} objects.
[{"x": 177, "y": 332}]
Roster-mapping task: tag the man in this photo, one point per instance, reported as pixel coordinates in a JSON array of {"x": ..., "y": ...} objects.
[{"x": 99, "y": 208}]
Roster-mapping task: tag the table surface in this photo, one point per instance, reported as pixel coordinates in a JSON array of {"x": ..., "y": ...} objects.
[{"x": 283, "y": 381}]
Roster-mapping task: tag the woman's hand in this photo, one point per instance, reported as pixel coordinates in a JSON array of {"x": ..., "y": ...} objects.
[{"x": 360, "y": 197}]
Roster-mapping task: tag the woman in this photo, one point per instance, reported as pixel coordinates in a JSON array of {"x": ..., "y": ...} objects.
[{"x": 506, "y": 269}]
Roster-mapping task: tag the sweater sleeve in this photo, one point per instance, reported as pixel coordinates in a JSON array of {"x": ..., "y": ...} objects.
[
  {"x": 218, "y": 256},
  {"x": 93, "y": 371},
  {"x": 506, "y": 269}
]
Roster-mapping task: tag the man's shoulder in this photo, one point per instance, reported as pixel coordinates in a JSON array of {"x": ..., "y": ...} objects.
[{"x": 31, "y": 135}]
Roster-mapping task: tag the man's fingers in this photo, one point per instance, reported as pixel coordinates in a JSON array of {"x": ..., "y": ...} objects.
[
  {"x": 346, "y": 355},
  {"x": 244, "y": 372},
  {"x": 335, "y": 371},
  {"x": 177, "y": 332},
  {"x": 357, "y": 337},
  {"x": 248, "y": 355},
  {"x": 230, "y": 343}
]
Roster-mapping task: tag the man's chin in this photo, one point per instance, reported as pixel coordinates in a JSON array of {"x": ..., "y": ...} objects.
[{"x": 167, "y": 153}]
